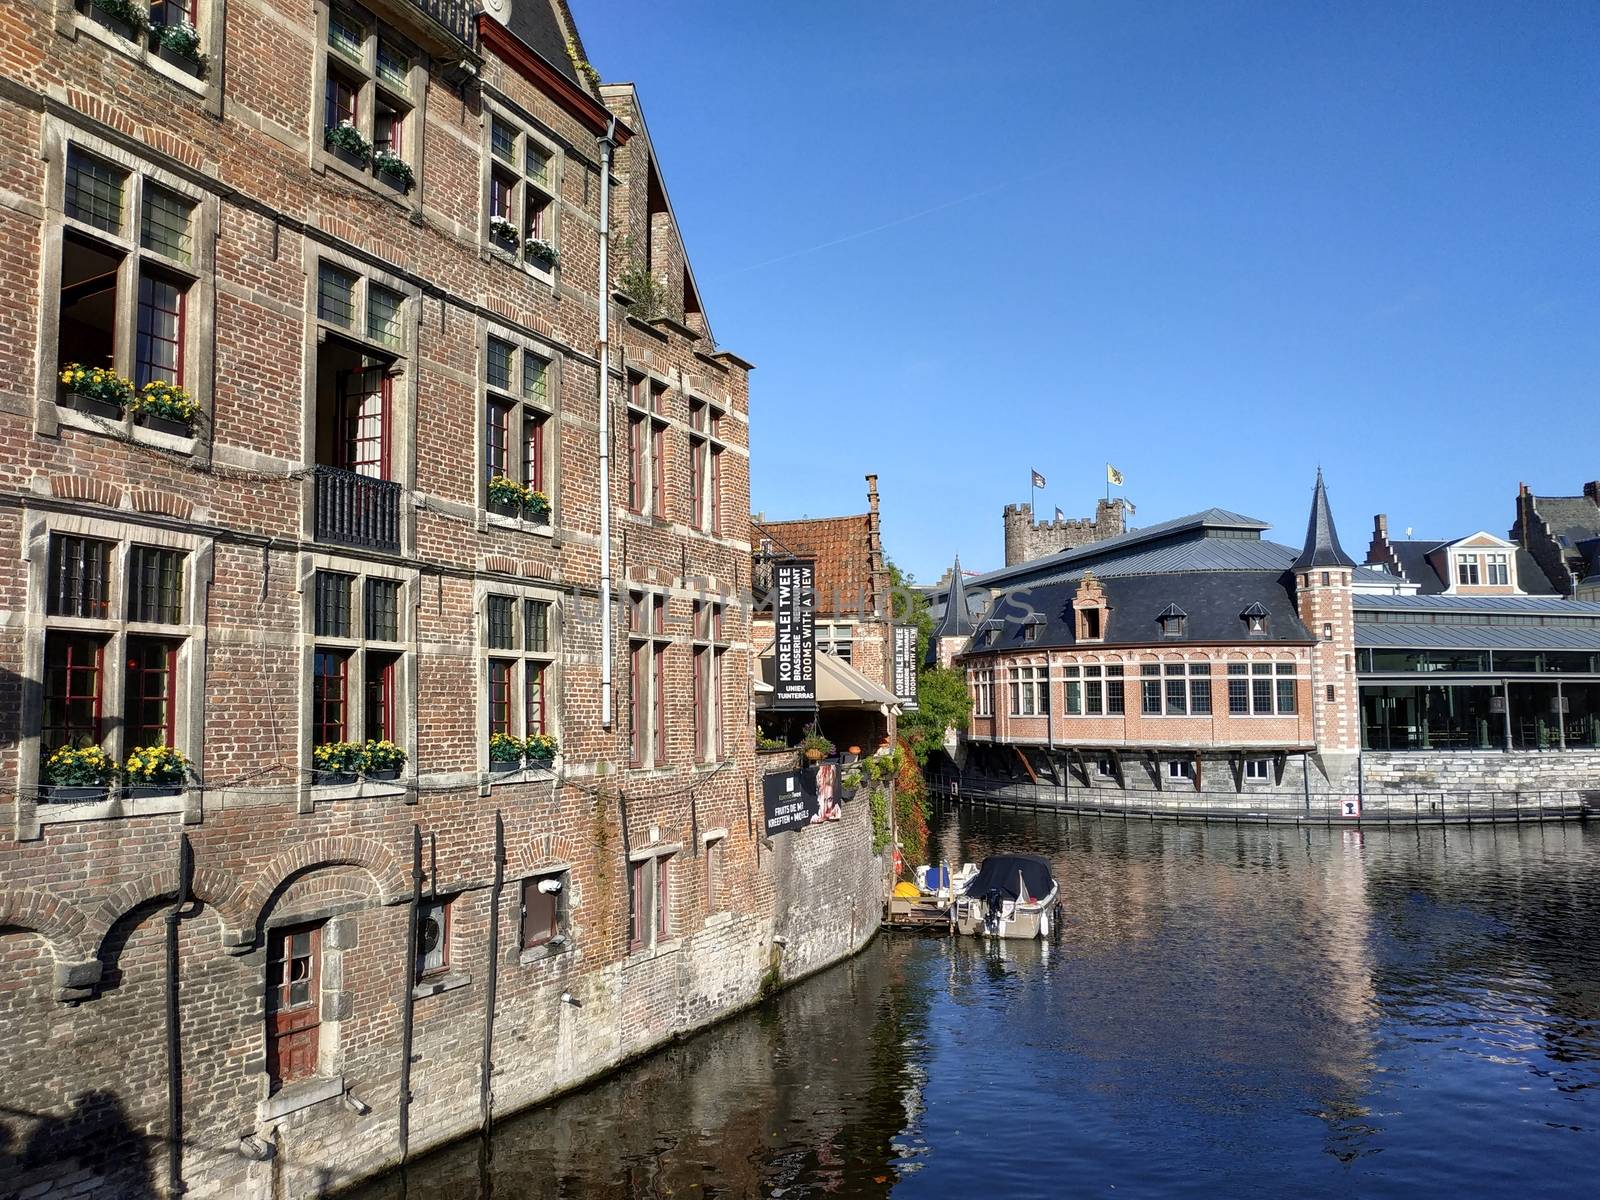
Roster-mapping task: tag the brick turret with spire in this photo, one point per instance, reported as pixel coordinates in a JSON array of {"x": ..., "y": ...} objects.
[
  {"x": 955, "y": 627},
  {"x": 1322, "y": 575}
]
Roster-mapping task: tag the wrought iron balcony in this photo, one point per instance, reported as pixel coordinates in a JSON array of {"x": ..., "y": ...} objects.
[
  {"x": 356, "y": 510},
  {"x": 459, "y": 17}
]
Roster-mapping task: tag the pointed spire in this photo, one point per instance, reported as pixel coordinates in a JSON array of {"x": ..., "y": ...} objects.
[
  {"x": 957, "y": 620},
  {"x": 1322, "y": 547}
]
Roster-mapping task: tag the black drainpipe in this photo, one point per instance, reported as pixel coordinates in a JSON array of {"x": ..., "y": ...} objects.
[
  {"x": 407, "y": 1000},
  {"x": 487, "y": 1068},
  {"x": 175, "y": 1184}
]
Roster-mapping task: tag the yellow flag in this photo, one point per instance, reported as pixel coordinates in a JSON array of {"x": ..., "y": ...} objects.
[{"x": 1113, "y": 475}]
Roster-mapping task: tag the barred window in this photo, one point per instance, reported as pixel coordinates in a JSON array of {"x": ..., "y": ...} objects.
[
  {"x": 383, "y": 610},
  {"x": 501, "y": 636},
  {"x": 536, "y": 618},
  {"x": 80, "y": 573},
  {"x": 166, "y": 223},
  {"x": 333, "y": 604},
  {"x": 384, "y": 309},
  {"x": 155, "y": 585},
  {"x": 94, "y": 191},
  {"x": 336, "y": 296}
]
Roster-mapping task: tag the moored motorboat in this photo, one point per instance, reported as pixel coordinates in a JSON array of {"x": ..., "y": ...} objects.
[{"x": 1011, "y": 896}]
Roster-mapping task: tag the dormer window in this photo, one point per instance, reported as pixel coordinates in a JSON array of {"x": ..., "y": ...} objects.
[
  {"x": 1089, "y": 610},
  {"x": 1089, "y": 625},
  {"x": 1031, "y": 628},
  {"x": 1467, "y": 570},
  {"x": 1255, "y": 620},
  {"x": 1172, "y": 620}
]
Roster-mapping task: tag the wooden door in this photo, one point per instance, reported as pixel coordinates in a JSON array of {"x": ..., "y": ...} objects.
[{"x": 294, "y": 958}]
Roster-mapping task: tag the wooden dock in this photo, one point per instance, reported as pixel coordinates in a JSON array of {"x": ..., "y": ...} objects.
[{"x": 922, "y": 915}]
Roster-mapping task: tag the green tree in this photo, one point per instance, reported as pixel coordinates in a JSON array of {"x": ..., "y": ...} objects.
[{"x": 942, "y": 698}]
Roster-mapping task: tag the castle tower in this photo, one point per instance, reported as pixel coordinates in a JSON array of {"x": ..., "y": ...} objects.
[
  {"x": 1026, "y": 539},
  {"x": 1322, "y": 595}
]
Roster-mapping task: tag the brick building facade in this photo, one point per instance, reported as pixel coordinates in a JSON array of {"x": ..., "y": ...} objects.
[{"x": 367, "y": 243}]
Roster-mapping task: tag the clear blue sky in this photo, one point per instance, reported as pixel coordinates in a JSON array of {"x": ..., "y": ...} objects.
[{"x": 1213, "y": 244}]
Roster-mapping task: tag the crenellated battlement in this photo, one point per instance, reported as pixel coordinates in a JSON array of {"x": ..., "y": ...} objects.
[{"x": 1027, "y": 539}]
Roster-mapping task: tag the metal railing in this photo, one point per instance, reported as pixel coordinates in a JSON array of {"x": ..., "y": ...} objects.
[
  {"x": 355, "y": 510},
  {"x": 1318, "y": 807},
  {"x": 460, "y": 17}
]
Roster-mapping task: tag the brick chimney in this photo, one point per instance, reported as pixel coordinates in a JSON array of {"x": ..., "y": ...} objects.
[
  {"x": 879, "y": 577},
  {"x": 1592, "y": 490}
]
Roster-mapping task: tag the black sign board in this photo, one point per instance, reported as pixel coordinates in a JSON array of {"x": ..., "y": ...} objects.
[
  {"x": 905, "y": 666},
  {"x": 794, "y": 602},
  {"x": 787, "y": 802}
]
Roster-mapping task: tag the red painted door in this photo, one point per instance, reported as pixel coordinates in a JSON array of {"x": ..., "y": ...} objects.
[{"x": 293, "y": 1009}]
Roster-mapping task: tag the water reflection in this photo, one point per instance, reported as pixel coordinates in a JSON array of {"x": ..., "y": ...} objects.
[{"x": 1227, "y": 1011}]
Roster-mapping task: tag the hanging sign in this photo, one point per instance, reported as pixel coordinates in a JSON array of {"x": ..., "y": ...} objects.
[
  {"x": 794, "y": 602},
  {"x": 905, "y": 666}
]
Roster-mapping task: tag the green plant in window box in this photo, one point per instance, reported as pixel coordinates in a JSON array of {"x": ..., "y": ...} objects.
[
  {"x": 126, "y": 17},
  {"x": 540, "y": 250},
  {"x": 537, "y": 507},
  {"x": 165, "y": 406},
  {"x": 337, "y": 762},
  {"x": 158, "y": 770},
  {"x": 766, "y": 744},
  {"x": 505, "y": 752},
  {"x": 77, "y": 774},
  {"x": 382, "y": 760},
  {"x": 394, "y": 168},
  {"x": 180, "y": 44},
  {"x": 503, "y": 231},
  {"x": 345, "y": 140},
  {"x": 541, "y": 749},
  {"x": 96, "y": 390},
  {"x": 507, "y": 495}
]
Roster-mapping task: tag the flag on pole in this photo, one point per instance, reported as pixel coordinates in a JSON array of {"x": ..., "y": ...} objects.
[
  {"x": 1038, "y": 479},
  {"x": 1113, "y": 476},
  {"x": 1060, "y": 516}
]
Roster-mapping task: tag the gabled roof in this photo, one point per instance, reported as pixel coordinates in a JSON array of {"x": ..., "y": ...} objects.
[
  {"x": 1415, "y": 564},
  {"x": 842, "y": 549},
  {"x": 1322, "y": 547}
]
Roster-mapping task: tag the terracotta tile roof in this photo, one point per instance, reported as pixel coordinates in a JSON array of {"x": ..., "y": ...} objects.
[{"x": 842, "y": 548}]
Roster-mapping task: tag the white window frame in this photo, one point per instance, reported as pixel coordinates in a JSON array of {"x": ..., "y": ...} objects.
[{"x": 1030, "y": 690}]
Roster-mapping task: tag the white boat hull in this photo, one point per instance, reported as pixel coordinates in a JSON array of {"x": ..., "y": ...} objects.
[{"x": 1032, "y": 919}]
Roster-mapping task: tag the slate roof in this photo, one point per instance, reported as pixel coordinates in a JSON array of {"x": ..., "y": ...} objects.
[
  {"x": 1413, "y": 556},
  {"x": 1576, "y": 518},
  {"x": 956, "y": 619},
  {"x": 1322, "y": 547},
  {"x": 1475, "y": 637},
  {"x": 1212, "y": 602},
  {"x": 1054, "y": 566},
  {"x": 536, "y": 24},
  {"x": 842, "y": 548},
  {"x": 1547, "y": 606}
]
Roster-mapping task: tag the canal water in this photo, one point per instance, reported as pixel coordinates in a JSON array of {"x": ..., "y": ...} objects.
[{"x": 1226, "y": 1012}]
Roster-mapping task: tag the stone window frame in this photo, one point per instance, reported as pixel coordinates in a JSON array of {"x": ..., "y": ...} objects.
[
  {"x": 657, "y": 860},
  {"x": 405, "y": 668},
  {"x": 520, "y": 592},
  {"x": 647, "y": 465},
  {"x": 528, "y": 130},
  {"x": 656, "y": 640},
  {"x": 708, "y": 637},
  {"x": 714, "y": 874},
  {"x": 189, "y": 686},
  {"x": 73, "y": 22},
  {"x": 983, "y": 692},
  {"x": 413, "y": 93},
  {"x": 565, "y": 940},
  {"x": 337, "y": 934},
  {"x": 524, "y": 344},
  {"x": 705, "y": 439},
  {"x": 404, "y": 371},
  {"x": 49, "y": 415}
]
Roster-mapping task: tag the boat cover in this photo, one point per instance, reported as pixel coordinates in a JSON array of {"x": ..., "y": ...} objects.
[{"x": 999, "y": 874}]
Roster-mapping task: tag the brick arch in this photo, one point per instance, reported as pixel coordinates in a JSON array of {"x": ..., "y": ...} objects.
[
  {"x": 57, "y": 921},
  {"x": 216, "y": 888},
  {"x": 543, "y": 851},
  {"x": 384, "y": 867}
]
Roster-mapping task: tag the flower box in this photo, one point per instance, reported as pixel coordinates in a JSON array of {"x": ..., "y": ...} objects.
[
  {"x": 346, "y": 155},
  {"x": 92, "y": 406},
  {"x": 179, "y": 59},
  {"x": 151, "y": 791},
  {"x": 384, "y": 776},
  {"x": 540, "y": 764},
  {"x": 333, "y": 778},
  {"x": 162, "y": 424},
  {"x": 505, "y": 508},
  {"x": 116, "y": 23},
  {"x": 503, "y": 767},
  {"x": 398, "y": 182},
  {"x": 72, "y": 795}
]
